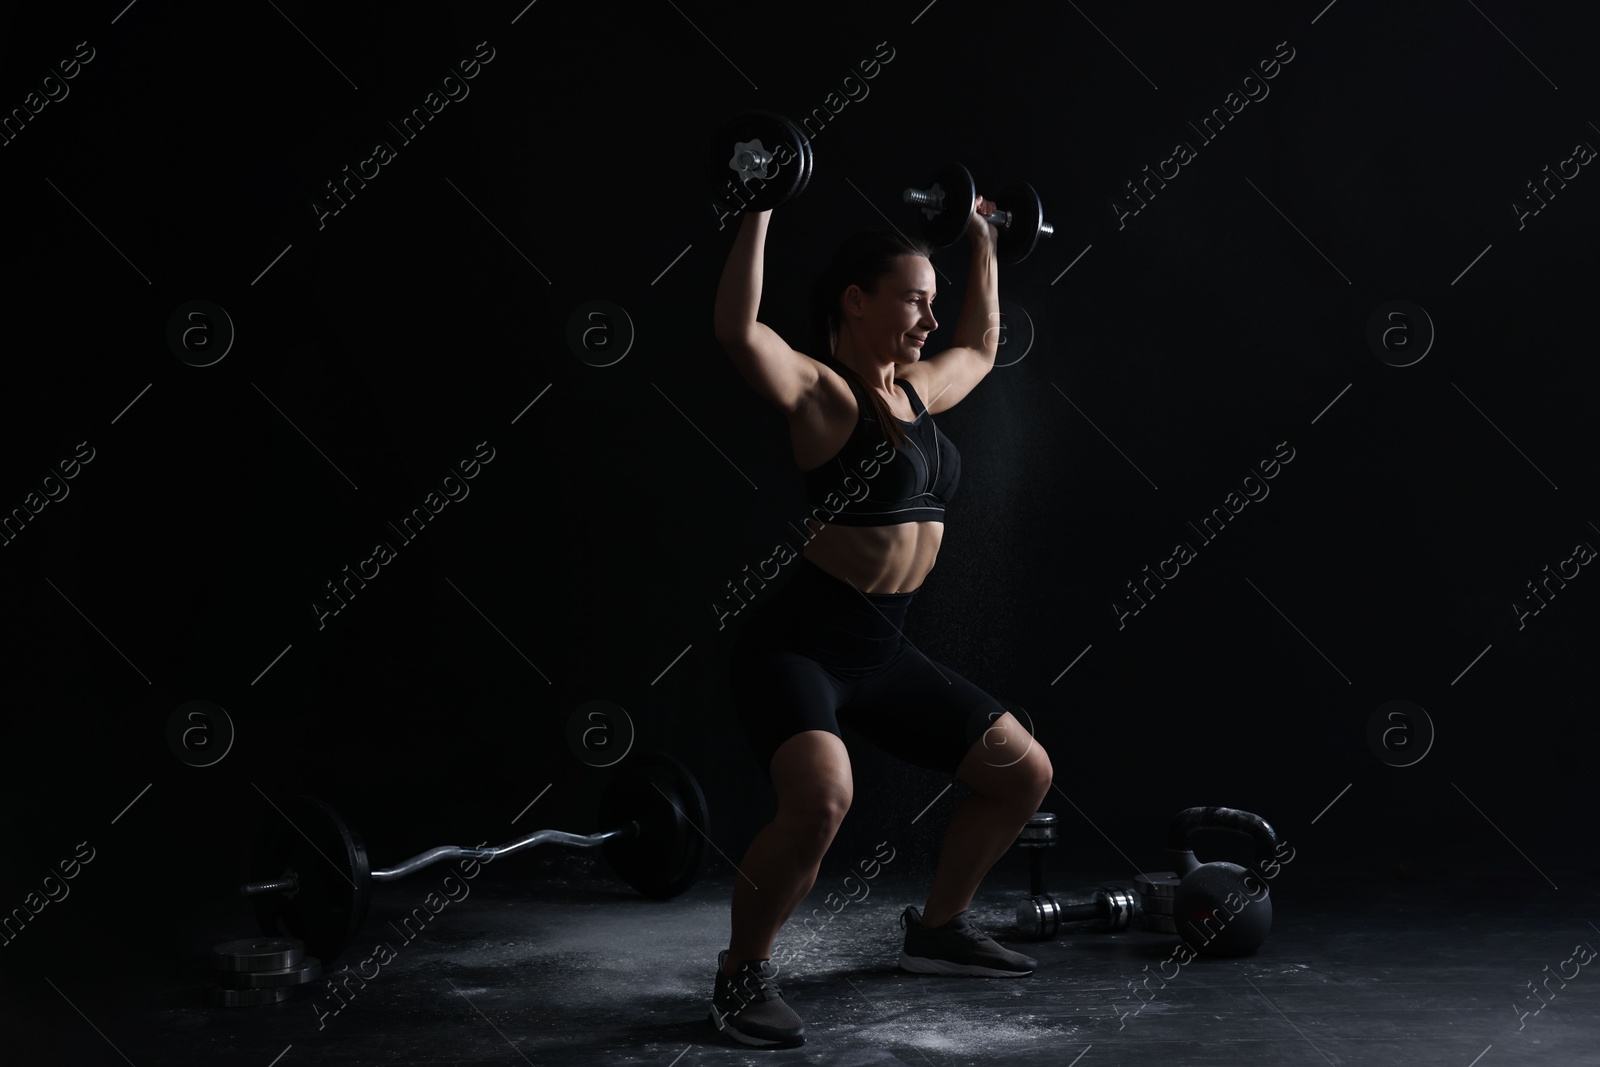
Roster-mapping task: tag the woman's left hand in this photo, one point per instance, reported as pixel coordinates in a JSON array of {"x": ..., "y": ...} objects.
[{"x": 983, "y": 233}]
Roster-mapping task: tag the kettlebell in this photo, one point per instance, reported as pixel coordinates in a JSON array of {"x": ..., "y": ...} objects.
[{"x": 1220, "y": 908}]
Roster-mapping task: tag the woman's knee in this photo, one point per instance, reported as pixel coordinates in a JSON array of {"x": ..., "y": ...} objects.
[
  {"x": 811, "y": 773},
  {"x": 993, "y": 768},
  {"x": 1039, "y": 773},
  {"x": 815, "y": 815}
]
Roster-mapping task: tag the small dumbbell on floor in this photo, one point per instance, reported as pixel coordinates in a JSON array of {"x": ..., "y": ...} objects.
[{"x": 1040, "y": 915}]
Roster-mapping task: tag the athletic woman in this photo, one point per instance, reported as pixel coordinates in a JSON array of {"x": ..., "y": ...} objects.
[{"x": 826, "y": 650}]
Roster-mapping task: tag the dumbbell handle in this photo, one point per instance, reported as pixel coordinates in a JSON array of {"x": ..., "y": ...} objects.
[
  {"x": 935, "y": 200},
  {"x": 1114, "y": 906},
  {"x": 1081, "y": 910},
  {"x": 448, "y": 852}
]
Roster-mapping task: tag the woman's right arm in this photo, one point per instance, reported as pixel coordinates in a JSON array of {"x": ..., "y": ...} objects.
[{"x": 777, "y": 372}]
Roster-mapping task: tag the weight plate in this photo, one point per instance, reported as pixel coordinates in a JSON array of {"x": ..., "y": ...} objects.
[
  {"x": 1158, "y": 905},
  {"x": 310, "y": 842},
  {"x": 1018, "y": 240},
  {"x": 258, "y": 954},
  {"x": 1157, "y": 884},
  {"x": 249, "y": 998},
  {"x": 740, "y": 184},
  {"x": 1122, "y": 908},
  {"x": 1040, "y": 831},
  {"x": 1038, "y": 918},
  {"x": 661, "y": 794},
  {"x": 808, "y": 162},
  {"x": 960, "y": 196},
  {"x": 309, "y": 970},
  {"x": 1161, "y": 924}
]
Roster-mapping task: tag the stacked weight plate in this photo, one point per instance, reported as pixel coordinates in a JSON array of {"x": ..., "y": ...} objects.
[
  {"x": 261, "y": 970},
  {"x": 1156, "y": 892}
]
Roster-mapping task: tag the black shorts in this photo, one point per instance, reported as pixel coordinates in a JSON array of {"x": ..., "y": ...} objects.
[{"x": 821, "y": 654}]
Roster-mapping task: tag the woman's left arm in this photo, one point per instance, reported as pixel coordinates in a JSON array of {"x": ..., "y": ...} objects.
[{"x": 978, "y": 325}]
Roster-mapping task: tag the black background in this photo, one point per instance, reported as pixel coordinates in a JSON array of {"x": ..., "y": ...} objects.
[{"x": 1178, "y": 351}]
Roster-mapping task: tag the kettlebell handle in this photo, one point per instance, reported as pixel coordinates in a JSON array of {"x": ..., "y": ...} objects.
[{"x": 1181, "y": 853}]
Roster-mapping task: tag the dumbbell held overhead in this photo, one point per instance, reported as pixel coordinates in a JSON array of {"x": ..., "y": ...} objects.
[
  {"x": 757, "y": 161},
  {"x": 950, "y": 200}
]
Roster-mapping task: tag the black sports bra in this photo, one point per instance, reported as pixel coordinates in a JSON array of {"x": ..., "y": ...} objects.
[{"x": 870, "y": 484}]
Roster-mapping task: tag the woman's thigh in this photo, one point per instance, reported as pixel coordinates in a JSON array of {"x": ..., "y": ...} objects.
[
  {"x": 921, "y": 711},
  {"x": 812, "y": 777},
  {"x": 778, "y": 694}
]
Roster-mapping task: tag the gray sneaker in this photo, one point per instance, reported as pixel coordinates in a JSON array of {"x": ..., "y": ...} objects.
[
  {"x": 749, "y": 1007},
  {"x": 958, "y": 947}
]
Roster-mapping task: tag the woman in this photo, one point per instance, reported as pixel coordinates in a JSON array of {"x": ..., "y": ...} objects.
[{"x": 827, "y": 650}]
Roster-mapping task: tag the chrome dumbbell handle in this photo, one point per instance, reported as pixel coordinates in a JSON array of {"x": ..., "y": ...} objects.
[{"x": 932, "y": 202}]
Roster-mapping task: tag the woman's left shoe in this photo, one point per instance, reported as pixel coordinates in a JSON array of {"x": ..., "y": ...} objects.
[{"x": 957, "y": 947}]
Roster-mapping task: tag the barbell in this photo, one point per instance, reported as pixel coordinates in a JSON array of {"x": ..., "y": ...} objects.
[{"x": 311, "y": 877}]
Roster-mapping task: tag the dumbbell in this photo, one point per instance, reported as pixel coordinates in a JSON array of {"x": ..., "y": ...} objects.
[
  {"x": 950, "y": 199},
  {"x": 1041, "y": 915},
  {"x": 311, "y": 877},
  {"x": 757, "y": 161}
]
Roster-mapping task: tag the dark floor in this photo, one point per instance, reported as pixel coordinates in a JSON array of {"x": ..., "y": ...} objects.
[{"x": 1358, "y": 970}]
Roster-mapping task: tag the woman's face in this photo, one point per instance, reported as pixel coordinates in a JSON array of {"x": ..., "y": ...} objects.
[{"x": 894, "y": 322}]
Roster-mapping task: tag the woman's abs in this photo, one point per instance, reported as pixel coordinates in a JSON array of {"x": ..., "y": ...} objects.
[{"x": 877, "y": 559}]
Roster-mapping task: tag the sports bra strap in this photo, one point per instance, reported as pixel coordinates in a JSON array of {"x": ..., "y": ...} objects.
[{"x": 917, "y": 407}]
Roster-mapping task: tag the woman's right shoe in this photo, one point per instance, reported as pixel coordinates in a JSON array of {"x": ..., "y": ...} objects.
[{"x": 749, "y": 1007}]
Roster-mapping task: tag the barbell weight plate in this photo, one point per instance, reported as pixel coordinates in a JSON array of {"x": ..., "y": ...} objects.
[
  {"x": 665, "y": 858},
  {"x": 306, "y": 838},
  {"x": 258, "y": 954},
  {"x": 775, "y": 183},
  {"x": 1017, "y": 241},
  {"x": 249, "y": 998},
  {"x": 309, "y": 970},
  {"x": 960, "y": 197}
]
